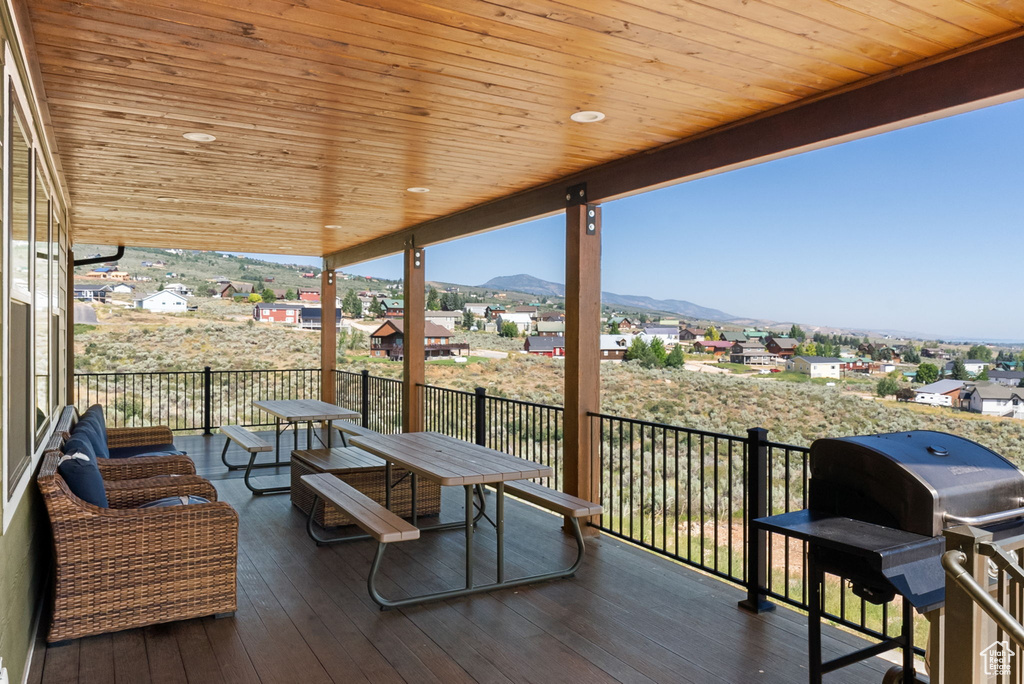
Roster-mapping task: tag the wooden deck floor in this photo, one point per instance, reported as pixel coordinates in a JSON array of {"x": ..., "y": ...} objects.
[{"x": 304, "y": 615}]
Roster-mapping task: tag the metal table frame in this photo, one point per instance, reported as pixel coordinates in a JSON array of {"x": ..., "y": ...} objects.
[
  {"x": 472, "y": 491},
  {"x": 294, "y": 422}
]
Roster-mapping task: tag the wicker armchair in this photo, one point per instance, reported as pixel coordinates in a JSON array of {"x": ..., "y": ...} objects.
[{"x": 119, "y": 567}]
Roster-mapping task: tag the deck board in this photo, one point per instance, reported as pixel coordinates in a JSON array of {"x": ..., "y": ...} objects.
[{"x": 304, "y": 614}]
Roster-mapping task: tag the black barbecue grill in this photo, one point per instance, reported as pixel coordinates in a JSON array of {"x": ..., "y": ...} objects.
[{"x": 877, "y": 506}]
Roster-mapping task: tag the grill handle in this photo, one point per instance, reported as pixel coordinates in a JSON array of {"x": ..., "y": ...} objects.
[{"x": 986, "y": 519}]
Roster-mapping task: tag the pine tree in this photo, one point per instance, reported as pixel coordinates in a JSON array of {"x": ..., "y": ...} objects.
[
  {"x": 289, "y": 295},
  {"x": 433, "y": 300},
  {"x": 467, "y": 320},
  {"x": 636, "y": 350},
  {"x": 960, "y": 370},
  {"x": 268, "y": 295},
  {"x": 796, "y": 332},
  {"x": 676, "y": 358},
  {"x": 351, "y": 305},
  {"x": 657, "y": 349},
  {"x": 374, "y": 307}
]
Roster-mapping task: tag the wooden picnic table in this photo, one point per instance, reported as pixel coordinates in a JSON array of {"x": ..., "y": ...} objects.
[
  {"x": 293, "y": 412},
  {"x": 453, "y": 462}
]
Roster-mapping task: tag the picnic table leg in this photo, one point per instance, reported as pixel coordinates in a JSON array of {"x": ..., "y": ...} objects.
[
  {"x": 309, "y": 435},
  {"x": 277, "y": 440},
  {"x": 387, "y": 485},
  {"x": 499, "y": 525},
  {"x": 469, "y": 535},
  {"x": 295, "y": 435},
  {"x": 412, "y": 493}
]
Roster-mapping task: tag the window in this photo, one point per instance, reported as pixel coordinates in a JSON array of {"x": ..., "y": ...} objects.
[
  {"x": 41, "y": 304},
  {"x": 19, "y": 369}
]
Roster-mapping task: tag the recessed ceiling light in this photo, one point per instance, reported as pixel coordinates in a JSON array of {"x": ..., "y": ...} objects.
[
  {"x": 418, "y": 189},
  {"x": 167, "y": 199},
  {"x": 332, "y": 226},
  {"x": 587, "y": 116},
  {"x": 198, "y": 137}
]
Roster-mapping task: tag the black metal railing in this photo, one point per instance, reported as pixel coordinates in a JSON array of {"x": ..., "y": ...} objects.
[
  {"x": 520, "y": 428},
  {"x": 192, "y": 400},
  {"x": 378, "y": 400}
]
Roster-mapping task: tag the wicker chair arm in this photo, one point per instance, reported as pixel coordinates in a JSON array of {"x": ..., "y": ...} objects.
[
  {"x": 138, "y": 436},
  {"x": 134, "y": 493},
  {"x": 140, "y": 467}
]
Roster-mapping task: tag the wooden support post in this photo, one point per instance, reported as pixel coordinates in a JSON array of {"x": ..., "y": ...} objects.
[
  {"x": 414, "y": 287},
  {"x": 582, "y": 342},
  {"x": 69, "y": 302},
  {"x": 328, "y": 334}
]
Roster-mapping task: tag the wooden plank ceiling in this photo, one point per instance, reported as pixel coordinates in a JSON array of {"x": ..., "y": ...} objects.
[{"x": 325, "y": 112}]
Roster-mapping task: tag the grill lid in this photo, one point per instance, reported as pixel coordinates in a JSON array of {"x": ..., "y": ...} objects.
[{"x": 909, "y": 480}]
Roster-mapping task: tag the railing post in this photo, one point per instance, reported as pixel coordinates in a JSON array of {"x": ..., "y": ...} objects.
[
  {"x": 757, "y": 507},
  {"x": 207, "y": 400},
  {"x": 364, "y": 404},
  {"x": 481, "y": 416},
  {"x": 960, "y": 655}
]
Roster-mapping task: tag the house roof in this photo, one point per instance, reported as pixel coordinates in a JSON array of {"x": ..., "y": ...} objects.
[
  {"x": 1005, "y": 375},
  {"x": 525, "y": 309},
  {"x": 549, "y": 343},
  {"x": 615, "y": 342},
  {"x": 92, "y": 288},
  {"x": 442, "y": 314},
  {"x": 941, "y": 387},
  {"x": 393, "y": 303},
  {"x": 315, "y": 313},
  {"x": 785, "y": 342},
  {"x": 163, "y": 292},
  {"x": 820, "y": 359},
  {"x": 515, "y": 318},
  {"x": 660, "y": 330},
  {"x": 715, "y": 344},
  {"x": 262, "y": 306},
  {"x": 734, "y": 336},
  {"x": 495, "y": 307},
  {"x": 696, "y": 331},
  {"x": 994, "y": 390},
  {"x": 430, "y": 329},
  {"x": 551, "y": 326},
  {"x": 968, "y": 362}
]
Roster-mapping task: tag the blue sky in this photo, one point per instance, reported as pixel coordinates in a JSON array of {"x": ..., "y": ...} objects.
[{"x": 920, "y": 229}]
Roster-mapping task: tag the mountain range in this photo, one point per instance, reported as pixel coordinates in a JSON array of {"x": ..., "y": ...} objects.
[{"x": 536, "y": 286}]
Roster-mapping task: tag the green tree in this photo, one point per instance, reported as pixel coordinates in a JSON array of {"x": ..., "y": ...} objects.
[
  {"x": 433, "y": 300},
  {"x": 446, "y": 302},
  {"x": 1021, "y": 383},
  {"x": 676, "y": 358},
  {"x": 983, "y": 375},
  {"x": 255, "y": 298},
  {"x": 508, "y": 329},
  {"x": 911, "y": 355},
  {"x": 979, "y": 352},
  {"x": 637, "y": 349},
  {"x": 810, "y": 349},
  {"x": 657, "y": 349},
  {"x": 613, "y": 328},
  {"x": 796, "y": 332},
  {"x": 712, "y": 334},
  {"x": 343, "y": 338},
  {"x": 290, "y": 295},
  {"x": 351, "y": 306},
  {"x": 468, "y": 319},
  {"x": 906, "y": 394},
  {"x": 357, "y": 340},
  {"x": 374, "y": 307},
  {"x": 160, "y": 288},
  {"x": 268, "y": 295},
  {"x": 887, "y": 387},
  {"x": 927, "y": 373},
  {"x": 960, "y": 370}
]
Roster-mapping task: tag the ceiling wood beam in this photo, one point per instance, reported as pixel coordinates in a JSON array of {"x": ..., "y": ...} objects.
[{"x": 968, "y": 79}]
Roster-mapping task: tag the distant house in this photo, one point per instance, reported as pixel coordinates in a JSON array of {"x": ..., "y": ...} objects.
[
  {"x": 545, "y": 346},
  {"x": 92, "y": 293},
  {"x": 479, "y": 310},
  {"x": 692, "y": 334},
  {"x": 993, "y": 399},
  {"x": 669, "y": 335},
  {"x": 552, "y": 316},
  {"x": 146, "y": 264},
  {"x": 666, "y": 322},
  {"x": 493, "y": 311},
  {"x": 311, "y": 317},
  {"x": 387, "y": 341},
  {"x": 624, "y": 324},
  {"x": 223, "y": 291},
  {"x": 751, "y": 354},
  {"x": 716, "y": 347},
  {"x": 973, "y": 366},
  {"x": 309, "y": 275},
  {"x": 277, "y": 313},
  {"x": 123, "y": 288},
  {"x": 522, "y": 321},
  {"x": 531, "y": 311},
  {"x": 856, "y": 365},
  {"x": 165, "y": 301},
  {"x": 614, "y": 347},
  {"x": 308, "y": 295},
  {"x": 178, "y": 288},
  {"x": 1010, "y": 378},
  {"x": 551, "y": 328},
  {"x": 733, "y": 336},
  {"x": 268, "y": 279},
  {"x": 816, "y": 366},
  {"x": 242, "y": 287},
  {"x": 280, "y": 293},
  {"x": 756, "y": 334},
  {"x": 445, "y": 319},
  {"x": 392, "y": 308},
  {"x": 941, "y": 393},
  {"x": 781, "y": 346},
  {"x": 929, "y": 353}
]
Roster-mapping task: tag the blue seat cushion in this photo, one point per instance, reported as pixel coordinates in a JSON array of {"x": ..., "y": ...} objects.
[
  {"x": 175, "y": 501},
  {"x": 82, "y": 475},
  {"x": 145, "y": 450},
  {"x": 88, "y": 430},
  {"x": 95, "y": 426},
  {"x": 78, "y": 442}
]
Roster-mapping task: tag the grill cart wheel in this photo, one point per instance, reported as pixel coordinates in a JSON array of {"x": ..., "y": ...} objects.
[{"x": 894, "y": 675}]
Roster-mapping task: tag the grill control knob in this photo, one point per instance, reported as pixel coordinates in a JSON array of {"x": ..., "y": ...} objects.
[{"x": 938, "y": 451}]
